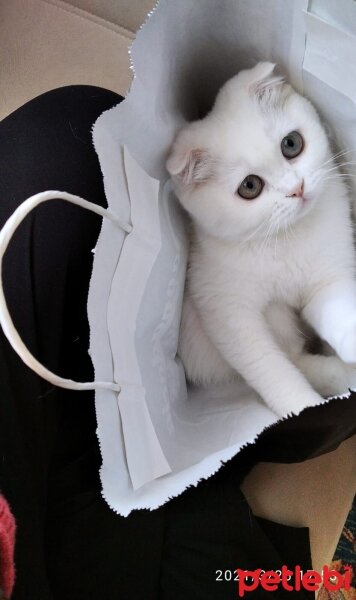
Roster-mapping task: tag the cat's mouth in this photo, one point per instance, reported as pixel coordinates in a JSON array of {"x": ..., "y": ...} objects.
[
  {"x": 309, "y": 196},
  {"x": 306, "y": 194},
  {"x": 296, "y": 210},
  {"x": 306, "y": 202}
]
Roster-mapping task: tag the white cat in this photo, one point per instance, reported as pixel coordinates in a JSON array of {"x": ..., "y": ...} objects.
[{"x": 271, "y": 242}]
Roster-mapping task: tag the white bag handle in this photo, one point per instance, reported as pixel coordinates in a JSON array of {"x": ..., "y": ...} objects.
[{"x": 5, "y": 320}]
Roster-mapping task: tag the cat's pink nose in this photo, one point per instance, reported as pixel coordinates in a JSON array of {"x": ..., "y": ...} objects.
[{"x": 297, "y": 191}]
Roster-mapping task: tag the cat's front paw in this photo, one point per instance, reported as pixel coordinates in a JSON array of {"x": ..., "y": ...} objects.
[
  {"x": 295, "y": 404},
  {"x": 347, "y": 347},
  {"x": 350, "y": 371}
]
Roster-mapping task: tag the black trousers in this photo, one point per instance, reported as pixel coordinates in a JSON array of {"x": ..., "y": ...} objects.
[{"x": 70, "y": 545}]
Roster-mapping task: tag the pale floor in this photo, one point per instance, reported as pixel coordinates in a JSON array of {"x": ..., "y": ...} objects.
[{"x": 38, "y": 40}]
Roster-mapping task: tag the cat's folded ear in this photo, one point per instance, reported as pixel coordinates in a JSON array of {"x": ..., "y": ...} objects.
[
  {"x": 261, "y": 78},
  {"x": 261, "y": 71},
  {"x": 187, "y": 162}
]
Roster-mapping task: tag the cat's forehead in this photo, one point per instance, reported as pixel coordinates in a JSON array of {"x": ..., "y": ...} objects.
[
  {"x": 246, "y": 128},
  {"x": 252, "y": 133}
]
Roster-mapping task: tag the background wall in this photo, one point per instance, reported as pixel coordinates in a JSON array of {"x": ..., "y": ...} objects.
[{"x": 46, "y": 44}]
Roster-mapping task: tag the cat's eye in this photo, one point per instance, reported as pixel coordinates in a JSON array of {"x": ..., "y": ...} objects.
[
  {"x": 251, "y": 187},
  {"x": 292, "y": 145}
]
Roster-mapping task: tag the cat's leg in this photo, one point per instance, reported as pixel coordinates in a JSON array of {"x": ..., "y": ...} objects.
[
  {"x": 286, "y": 328},
  {"x": 332, "y": 313},
  {"x": 328, "y": 375},
  {"x": 245, "y": 340},
  {"x": 202, "y": 361}
]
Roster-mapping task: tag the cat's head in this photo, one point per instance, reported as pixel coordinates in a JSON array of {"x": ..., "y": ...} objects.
[{"x": 254, "y": 164}]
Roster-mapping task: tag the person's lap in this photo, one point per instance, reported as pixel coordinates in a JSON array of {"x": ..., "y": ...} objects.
[
  {"x": 48, "y": 434},
  {"x": 70, "y": 544}
]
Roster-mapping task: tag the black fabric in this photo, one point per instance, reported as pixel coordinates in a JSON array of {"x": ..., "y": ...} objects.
[{"x": 70, "y": 545}]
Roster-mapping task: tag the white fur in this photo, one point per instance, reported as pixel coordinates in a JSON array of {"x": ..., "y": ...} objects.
[{"x": 256, "y": 265}]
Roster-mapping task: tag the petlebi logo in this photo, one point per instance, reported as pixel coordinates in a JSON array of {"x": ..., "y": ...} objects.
[{"x": 292, "y": 580}]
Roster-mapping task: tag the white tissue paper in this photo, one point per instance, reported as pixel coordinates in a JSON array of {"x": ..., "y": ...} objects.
[{"x": 157, "y": 437}]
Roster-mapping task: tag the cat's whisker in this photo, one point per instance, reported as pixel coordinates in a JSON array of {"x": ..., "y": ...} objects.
[
  {"x": 340, "y": 176},
  {"x": 287, "y": 236},
  {"x": 337, "y": 155},
  {"x": 347, "y": 164},
  {"x": 265, "y": 241},
  {"x": 344, "y": 174},
  {"x": 288, "y": 232},
  {"x": 277, "y": 218},
  {"x": 254, "y": 233},
  {"x": 339, "y": 166},
  {"x": 268, "y": 235},
  {"x": 343, "y": 153},
  {"x": 320, "y": 175},
  {"x": 286, "y": 224},
  {"x": 276, "y": 239},
  {"x": 291, "y": 232}
]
